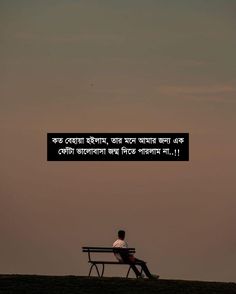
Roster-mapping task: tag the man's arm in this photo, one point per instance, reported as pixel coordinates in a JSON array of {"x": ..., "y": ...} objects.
[{"x": 130, "y": 255}]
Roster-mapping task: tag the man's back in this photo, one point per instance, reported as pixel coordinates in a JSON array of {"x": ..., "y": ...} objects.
[{"x": 121, "y": 244}]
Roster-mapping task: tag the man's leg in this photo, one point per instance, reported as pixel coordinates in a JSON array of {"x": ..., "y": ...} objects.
[
  {"x": 144, "y": 267},
  {"x": 126, "y": 258},
  {"x": 136, "y": 271}
]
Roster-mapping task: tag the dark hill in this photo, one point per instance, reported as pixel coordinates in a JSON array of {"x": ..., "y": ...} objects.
[{"x": 34, "y": 284}]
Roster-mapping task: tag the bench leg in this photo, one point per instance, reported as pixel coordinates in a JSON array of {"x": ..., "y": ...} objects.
[
  {"x": 103, "y": 268},
  {"x": 90, "y": 271},
  {"x": 128, "y": 272},
  {"x": 97, "y": 270}
]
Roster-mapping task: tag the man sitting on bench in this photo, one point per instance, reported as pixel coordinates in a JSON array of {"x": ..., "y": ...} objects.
[{"x": 129, "y": 258}]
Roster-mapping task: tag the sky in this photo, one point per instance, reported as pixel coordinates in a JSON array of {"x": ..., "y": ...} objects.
[{"x": 118, "y": 66}]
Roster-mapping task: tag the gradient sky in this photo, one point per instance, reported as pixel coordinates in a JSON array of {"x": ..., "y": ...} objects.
[{"x": 118, "y": 66}]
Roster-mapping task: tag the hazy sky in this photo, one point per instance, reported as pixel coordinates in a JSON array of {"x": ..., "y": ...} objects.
[{"x": 118, "y": 66}]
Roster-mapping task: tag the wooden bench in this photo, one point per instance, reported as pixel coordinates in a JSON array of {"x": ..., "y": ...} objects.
[{"x": 97, "y": 250}]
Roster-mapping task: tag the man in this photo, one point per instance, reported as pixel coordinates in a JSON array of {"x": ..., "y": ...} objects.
[{"x": 129, "y": 258}]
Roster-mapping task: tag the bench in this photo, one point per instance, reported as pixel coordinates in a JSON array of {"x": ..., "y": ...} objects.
[{"x": 97, "y": 250}]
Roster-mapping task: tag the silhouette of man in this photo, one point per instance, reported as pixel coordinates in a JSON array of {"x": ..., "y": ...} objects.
[{"x": 129, "y": 258}]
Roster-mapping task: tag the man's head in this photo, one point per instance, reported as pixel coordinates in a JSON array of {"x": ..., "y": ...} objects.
[{"x": 121, "y": 234}]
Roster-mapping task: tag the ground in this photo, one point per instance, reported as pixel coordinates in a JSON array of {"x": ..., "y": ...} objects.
[{"x": 35, "y": 284}]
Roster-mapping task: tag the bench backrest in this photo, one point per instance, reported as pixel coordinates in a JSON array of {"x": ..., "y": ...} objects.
[{"x": 107, "y": 250}]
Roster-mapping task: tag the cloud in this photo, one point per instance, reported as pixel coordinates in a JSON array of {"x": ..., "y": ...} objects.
[
  {"x": 206, "y": 93},
  {"x": 197, "y": 90},
  {"x": 70, "y": 38}
]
